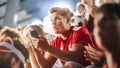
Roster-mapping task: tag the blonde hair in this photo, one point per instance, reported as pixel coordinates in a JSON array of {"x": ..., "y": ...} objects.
[
  {"x": 65, "y": 12},
  {"x": 33, "y": 27},
  {"x": 7, "y": 31}
]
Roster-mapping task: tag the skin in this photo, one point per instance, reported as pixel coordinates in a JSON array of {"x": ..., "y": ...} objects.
[
  {"x": 94, "y": 55},
  {"x": 110, "y": 61},
  {"x": 80, "y": 9},
  {"x": 32, "y": 62},
  {"x": 59, "y": 23},
  {"x": 90, "y": 6}
]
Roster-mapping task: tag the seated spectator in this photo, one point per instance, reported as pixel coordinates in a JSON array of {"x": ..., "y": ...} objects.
[
  {"x": 69, "y": 43},
  {"x": 13, "y": 54}
]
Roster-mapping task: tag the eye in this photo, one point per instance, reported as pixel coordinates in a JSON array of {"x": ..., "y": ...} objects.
[{"x": 58, "y": 18}]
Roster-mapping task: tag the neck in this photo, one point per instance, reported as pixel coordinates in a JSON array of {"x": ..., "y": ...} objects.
[
  {"x": 110, "y": 61},
  {"x": 65, "y": 34}
]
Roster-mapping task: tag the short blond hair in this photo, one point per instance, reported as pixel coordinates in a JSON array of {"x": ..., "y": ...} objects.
[{"x": 65, "y": 12}]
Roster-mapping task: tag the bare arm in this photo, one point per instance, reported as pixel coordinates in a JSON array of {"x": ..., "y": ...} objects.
[
  {"x": 75, "y": 53},
  {"x": 33, "y": 60},
  {"x": 46, "y": 60}
]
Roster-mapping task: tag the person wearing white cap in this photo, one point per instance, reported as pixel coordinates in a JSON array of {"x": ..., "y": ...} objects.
[{"x": 13, "y": 54}]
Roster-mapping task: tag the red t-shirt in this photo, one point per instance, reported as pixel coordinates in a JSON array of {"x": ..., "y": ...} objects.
[{"x": 77, "y": 35}]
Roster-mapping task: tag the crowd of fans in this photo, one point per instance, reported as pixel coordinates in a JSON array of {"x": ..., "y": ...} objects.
[{"x": 92, "y": 42}]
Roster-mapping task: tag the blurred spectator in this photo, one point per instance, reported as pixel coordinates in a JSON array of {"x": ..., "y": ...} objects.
[
  {"x": 13, "y": 54},
  {"x": 90, "y": 9},
  {"x": 107, "y": 33},
  {"x": 78, "y": 19},
  {"x": 34, "y": 31}
]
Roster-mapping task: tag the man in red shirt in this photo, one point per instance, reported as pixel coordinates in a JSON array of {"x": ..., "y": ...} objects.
[{"x": 69, "y": 43}]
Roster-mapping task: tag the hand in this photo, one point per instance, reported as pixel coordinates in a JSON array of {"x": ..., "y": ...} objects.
[
  {"x": 30, "y": 46},
  {"x": 93, "y": 55},
  {"x": 40, "y": 43}
]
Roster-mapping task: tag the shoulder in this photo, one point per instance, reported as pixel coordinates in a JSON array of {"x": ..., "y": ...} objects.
[{"x": 56, "y": 38}]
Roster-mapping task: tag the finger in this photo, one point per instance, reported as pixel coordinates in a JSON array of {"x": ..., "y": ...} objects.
[
  {"x": 89, "y": 44},
  {"x": 91, "y": 49},
  {"x": 88, "y": 51},
  {"x": 85, "y": 52},
  {"x": 86, "y": 47},
  {"x": 91, "y": 53},
  {"x": 87, "y": 57}
]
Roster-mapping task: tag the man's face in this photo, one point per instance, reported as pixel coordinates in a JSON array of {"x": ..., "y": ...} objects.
[{"x": 58, "y": 22}]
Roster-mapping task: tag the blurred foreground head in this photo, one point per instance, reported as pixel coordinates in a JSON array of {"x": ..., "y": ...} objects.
[
  {"x": 107, "y": 29},
  {"x": 13, "y": 54}
]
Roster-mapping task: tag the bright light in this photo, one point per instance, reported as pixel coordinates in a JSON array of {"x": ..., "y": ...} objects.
[
  {"x": 15, "y": 19},
  {"x": 36, "y": 22},
  {"x": 48, "y": 25},
  {"x": 62, "y": 5}
]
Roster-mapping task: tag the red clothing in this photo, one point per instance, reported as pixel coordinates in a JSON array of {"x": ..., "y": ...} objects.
[
  {"x": 90, "y": 24},
  {"x": 77, "y": 35}
]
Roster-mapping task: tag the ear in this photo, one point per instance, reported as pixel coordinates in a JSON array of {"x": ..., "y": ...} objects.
[
  {"x": 15, "y": 62},
  {"x": 68, "y": 20}
]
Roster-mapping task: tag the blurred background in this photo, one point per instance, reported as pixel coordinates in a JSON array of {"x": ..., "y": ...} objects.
[{"x": 16, "y": 13}]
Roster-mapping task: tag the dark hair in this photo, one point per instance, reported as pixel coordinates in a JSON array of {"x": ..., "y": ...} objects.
[
  {"x": 21, "y": 48},
  {"x": 109, "y": 25}
]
